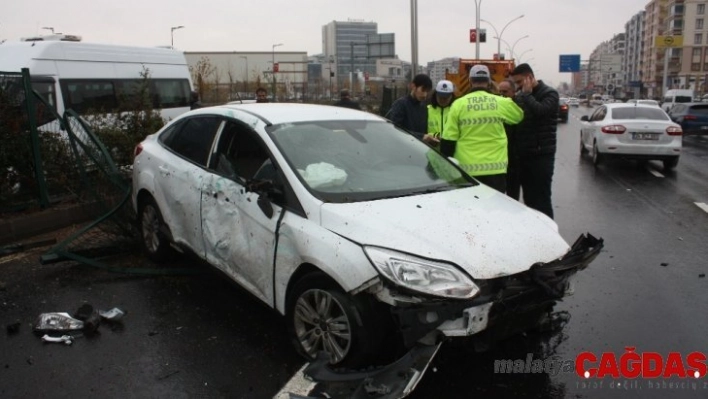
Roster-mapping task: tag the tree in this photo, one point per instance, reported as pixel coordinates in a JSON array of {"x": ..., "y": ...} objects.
[{"x": 201, "y": 72}]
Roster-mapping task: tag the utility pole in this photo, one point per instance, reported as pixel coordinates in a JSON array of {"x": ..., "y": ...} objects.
[
  {"x": 478, "y": 5},
  {"x": 414, "y": 37}
]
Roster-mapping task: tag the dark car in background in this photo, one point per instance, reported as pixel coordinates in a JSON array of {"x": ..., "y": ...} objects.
[
  {"x": 693, "y": 117},
  {"x": 563, "y": 109}
]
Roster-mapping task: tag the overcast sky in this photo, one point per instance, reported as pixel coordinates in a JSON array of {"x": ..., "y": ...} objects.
[{"x": 554, "y": 26}]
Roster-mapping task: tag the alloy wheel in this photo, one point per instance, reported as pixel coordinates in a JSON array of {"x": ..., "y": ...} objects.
[{"x": 322, "y": 324}]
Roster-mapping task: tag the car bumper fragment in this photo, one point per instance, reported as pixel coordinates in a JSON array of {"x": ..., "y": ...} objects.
[{"x": 396, "y": 380}]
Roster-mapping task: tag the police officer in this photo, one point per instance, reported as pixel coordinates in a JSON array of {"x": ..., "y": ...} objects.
[
  {"x": 439, "y": 109},
  {"x": 474, "y": 133}
]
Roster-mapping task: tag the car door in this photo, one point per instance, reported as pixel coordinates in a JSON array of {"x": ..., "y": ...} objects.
[
  {"x": 587, "y": 128},
  {"x": 238, "y": 235},
  {"x": 596, "y": 122},
  {"x": 182, "y": 170}
]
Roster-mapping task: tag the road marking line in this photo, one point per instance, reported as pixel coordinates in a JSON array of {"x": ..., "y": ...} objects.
[
  {"x": 654, "y": 172},
  {"x": 702, "y": 206},
  {"x": 298, "y": 385}
]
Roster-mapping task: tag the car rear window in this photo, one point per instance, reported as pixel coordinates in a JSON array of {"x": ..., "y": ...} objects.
[
  {"x": 699, "y": 110},
  {"x": 639, "y": 113}
]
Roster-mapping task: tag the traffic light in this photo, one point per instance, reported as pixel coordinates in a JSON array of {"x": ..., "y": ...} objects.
[
  {"x": 482, "y": 35},
  {"x": 473, "y": 35}
]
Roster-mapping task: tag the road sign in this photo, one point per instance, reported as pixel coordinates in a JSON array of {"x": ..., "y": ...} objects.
[
  {"x": 610, "y": 87},
  {"x": 668, "y": 41},
  {"x": 473, "y": 35},
  {"x": 569, "y": 63}
]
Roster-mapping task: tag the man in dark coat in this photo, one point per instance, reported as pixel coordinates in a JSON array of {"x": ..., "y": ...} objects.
[
  {"x": 536, "y": 138},
  {"x": 411, "y": 112},
  {"x": 346, "y": 101}
]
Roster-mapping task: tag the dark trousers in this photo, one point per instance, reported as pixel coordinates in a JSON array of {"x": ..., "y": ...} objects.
[
  {"x": 535, "y": 174},
  {"x": 513, "y": 184},
  {"x": 497, "y": 182}
]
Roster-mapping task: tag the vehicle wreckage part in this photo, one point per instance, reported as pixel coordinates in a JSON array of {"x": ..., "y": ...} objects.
[
  {"x": 58, "y": 321},
  {"x": 422, "y": 275},
  {"x": 393, "y": 381},
  {"x": 66, "y": 339}
]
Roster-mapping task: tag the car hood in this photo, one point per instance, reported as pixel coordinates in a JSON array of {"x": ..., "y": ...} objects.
[{"x": 479, "y": 229}]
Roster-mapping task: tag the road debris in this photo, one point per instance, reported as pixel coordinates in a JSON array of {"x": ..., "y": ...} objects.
[
  {"x": 664, "y": 264},
  {"x": 59, "y": 321},
  {"x": 702, "y": 275},
  {"x": 114, "y": 314},
  {"x": 66, "y": 339}
]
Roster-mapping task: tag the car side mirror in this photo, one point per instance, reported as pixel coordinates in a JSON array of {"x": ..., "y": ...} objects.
[
  {"x": 267, "y": 190},
  {"x": 265, "y": 205},
  {"x": 584, "y": 118}
]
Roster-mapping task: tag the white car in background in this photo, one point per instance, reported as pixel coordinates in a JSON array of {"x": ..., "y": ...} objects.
[
  {"x": 653, "y": 103},
  {"x": 635, "y": 131},
  {"x": 366, "y": 239}
]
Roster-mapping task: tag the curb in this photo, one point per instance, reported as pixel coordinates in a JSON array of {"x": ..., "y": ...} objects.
[{"x": 46, "y": 221}]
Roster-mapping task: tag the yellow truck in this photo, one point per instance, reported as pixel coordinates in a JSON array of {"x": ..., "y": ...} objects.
[{"x": 499, "y": 69}]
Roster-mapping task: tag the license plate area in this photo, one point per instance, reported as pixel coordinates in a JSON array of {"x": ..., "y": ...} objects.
[{"x": 645, "y": 136}]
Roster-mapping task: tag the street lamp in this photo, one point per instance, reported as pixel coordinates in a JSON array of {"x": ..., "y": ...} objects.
[
  {"x": 246, "y": 80},
  {"x": 172, "y": 35},
  {"x": 273, "y": 67},
  {"x": 51, "y": 28},
  {"x": 499, "y": 34},
  {"x": 522, "y": 54},
  {"x": 511, "y": 47},
  {"x": 331, "y": 61}
]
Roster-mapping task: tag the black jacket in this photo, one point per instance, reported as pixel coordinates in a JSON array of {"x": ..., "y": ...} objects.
[
  {"x": 347, "y": 103},
  {"x": 410, "y": 114},
  {"x": 536, "y": 134}
]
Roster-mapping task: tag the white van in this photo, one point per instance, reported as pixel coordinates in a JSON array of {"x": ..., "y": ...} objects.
[
  {"x": 675, "y": 96},
  {"x": 84, "y": 76}
]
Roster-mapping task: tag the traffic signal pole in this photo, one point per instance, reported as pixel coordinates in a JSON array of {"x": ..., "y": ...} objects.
[{"x": 478, "y": 5}]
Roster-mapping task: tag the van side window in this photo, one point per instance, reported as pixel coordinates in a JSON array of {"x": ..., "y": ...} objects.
[
  {"x": 108, "y": 95},
  {"x": 668, "y": 100}
]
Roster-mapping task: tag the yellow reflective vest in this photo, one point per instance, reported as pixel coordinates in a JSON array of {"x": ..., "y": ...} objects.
[
  {"x": 437, "y": 117},
  {"x": 476, "y": 122}
]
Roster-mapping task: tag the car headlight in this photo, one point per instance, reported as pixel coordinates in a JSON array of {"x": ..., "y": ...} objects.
[{"x": 422, "y": 275}]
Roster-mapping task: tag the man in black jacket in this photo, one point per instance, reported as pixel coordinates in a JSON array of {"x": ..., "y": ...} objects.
[
  {"x": 346, "y": 101},
  {"x": 536, "y": 138},
  {"x": 411, "y": 112}
]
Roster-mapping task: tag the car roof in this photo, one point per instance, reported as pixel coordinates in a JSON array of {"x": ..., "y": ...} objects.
[
  {"x": 276, "y": 113},
  {"x": 628, "y": 105}
]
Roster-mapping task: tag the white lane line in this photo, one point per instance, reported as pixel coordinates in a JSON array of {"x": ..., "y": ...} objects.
[
  {"x": 654, "y": 172},
  {"x": 298, "y": 385},
  {"x": 702, "y": 206}
]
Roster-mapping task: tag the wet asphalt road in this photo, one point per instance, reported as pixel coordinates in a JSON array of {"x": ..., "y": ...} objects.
[{"x": 201, "y": 336}]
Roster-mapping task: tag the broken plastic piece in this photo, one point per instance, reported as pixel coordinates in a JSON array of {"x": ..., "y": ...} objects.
[
  {"x": 113, "y": 314},
  {"x": 67, "y": 339},
  {"x": 57, "y": 322}
]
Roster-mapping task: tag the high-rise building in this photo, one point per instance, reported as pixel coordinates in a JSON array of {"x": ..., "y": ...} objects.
[
  {"x": 634, "y": 50},
  {"x": 437, "y": 69},
  {"x": 693, "y": 72},
  {"x": 605, "y": 66},
  {"x": 355, "y": 45},
  {"x": 653, "y": 59}
]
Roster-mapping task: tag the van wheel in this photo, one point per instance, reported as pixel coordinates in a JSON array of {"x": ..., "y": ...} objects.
[
  {"x": 152, "y": 237},
  {"x": 322, "y": 317}
]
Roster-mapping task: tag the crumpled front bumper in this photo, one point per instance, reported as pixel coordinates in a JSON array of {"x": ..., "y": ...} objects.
[{"x": 510, "y": 304}]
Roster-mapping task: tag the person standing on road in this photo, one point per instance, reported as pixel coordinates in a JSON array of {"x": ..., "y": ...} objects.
[
  {"x": 410, "y": 112},
  {"x": 261, "y": 95},
  {"x": 439, "y": 109},
  {"x": 346, "y": 101},
  {"x": 536, "y": 138},
  {"x": 474, "y": 133},
  {"x": 507, "y": 89}
]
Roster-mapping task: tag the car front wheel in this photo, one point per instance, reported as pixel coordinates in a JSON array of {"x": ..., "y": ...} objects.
[
  {"x": 153, "y": 240},
  {"x": 321, "y": 317}
]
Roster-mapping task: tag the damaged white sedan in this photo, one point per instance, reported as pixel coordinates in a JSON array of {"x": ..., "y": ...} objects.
[{"x": 366, "y": 239}]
